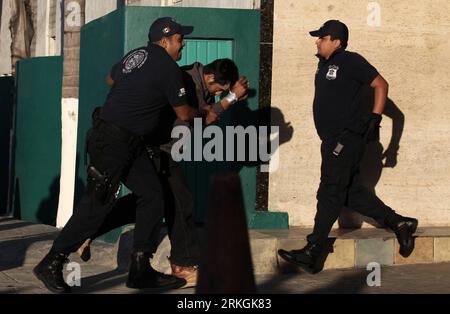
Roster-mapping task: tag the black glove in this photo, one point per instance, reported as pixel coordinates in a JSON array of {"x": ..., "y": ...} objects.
[{"x": 373, "y": 128}]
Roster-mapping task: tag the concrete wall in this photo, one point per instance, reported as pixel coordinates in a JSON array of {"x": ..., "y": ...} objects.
[
  {"x": 96, "y": 9},
  {"x": 46, "y": 19},
  {"x": 5, "y": 37},
  {"x": 407, "y": 41},
  {"x": 55, "y": 29},
  {"x": 47, "y": 28},
  {"x": 74, "y": 19},
  {"x": 48, "y": 25}
]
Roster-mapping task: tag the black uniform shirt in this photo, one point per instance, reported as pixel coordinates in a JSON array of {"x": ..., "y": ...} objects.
[
  {"x": 339, "y": 81},
  {"x": 147, "y": 82}
]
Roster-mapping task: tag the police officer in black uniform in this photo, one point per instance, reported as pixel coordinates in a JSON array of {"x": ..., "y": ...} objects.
[
  {"x": 202, "y": 84},
  {"x": 148, "y": 83},
  {"x": 344, "y": 132}
]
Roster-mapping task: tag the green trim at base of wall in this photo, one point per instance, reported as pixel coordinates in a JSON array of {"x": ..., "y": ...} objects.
[{"x": 269, "y": 220}]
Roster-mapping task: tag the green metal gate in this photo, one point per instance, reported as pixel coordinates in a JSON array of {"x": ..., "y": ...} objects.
[
  {"x": 206, "y": 50},
  {"x": 37, "y": 145}
]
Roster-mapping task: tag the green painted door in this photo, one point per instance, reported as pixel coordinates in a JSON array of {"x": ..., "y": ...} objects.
[{"x": 206, "y": 50}]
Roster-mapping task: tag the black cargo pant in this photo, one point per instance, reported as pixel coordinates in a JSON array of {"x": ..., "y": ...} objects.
[
  {"x": 123, "y": 159},
  {"x": 340, "y": 186},
  {"x": 178, "y": 214}
]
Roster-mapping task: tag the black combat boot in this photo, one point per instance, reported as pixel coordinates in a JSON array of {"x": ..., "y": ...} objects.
[
  {"x": 143, "y": 276},
  {"x": 49, "y": 271},
  {"x": 311, "y": 258},
  {"x": 404, "y": 228}
]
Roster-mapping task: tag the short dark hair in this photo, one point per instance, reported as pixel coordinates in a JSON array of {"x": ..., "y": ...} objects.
[
  {"x": 224, "y": 70},
  {"x": 343, "y": 43}
]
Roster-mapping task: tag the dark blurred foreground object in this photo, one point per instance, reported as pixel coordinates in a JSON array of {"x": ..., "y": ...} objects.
[{"x": 226, "y": 265}]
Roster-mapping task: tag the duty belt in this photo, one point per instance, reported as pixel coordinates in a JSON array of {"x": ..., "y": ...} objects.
[{"x": 117, "y": 132}]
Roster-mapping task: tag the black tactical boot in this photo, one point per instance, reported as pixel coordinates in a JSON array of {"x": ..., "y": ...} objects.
[
  {"x": 49, "y": 271},
  {"x": 311, "y": 258},
  {"x": 143, "y": 276},
  {"x": 404, "y": 228}
]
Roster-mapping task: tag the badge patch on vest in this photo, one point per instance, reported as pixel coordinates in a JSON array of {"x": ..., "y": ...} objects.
[
  {"x": 181, "y": 92},
  {"x": 134, "y": 60},
  {"x": 332, "y": 72}
]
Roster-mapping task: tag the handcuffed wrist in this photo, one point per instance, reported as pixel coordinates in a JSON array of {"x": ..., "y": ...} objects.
[{"x": 231, "y": 98}]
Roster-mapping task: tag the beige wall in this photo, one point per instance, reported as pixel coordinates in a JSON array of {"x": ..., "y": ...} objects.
[
  {"x": 95, "y": 9},
  {"x": 411, "y": 50},
  {"x": 5, "y": 37},
  {"x": 46, "y": 20}
]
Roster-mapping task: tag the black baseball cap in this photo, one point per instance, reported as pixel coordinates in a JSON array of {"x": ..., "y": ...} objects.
[
  {"x": 165, "y": 27},
  {"x": 335, "y": 28}
]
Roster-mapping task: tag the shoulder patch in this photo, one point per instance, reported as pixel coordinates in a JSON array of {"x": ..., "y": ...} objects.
[{"x": 134, "y": 61}]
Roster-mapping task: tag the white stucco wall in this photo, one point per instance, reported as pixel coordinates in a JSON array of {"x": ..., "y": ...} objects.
[
  {"x": 5, "y": 38},
  {"x": 409, "y": 46}
]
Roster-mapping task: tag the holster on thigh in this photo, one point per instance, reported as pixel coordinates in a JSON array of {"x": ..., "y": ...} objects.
[{"x": 102, "y": 188}]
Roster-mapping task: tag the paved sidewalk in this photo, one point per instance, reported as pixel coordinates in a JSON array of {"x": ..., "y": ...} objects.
[
  {"x": 394, "y": 280},
  {"x": 23, "y": 244}
]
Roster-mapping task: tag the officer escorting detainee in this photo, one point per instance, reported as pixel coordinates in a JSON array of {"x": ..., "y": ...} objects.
[
  {"x": 202, "y": 84},
  {"x": 148, "y": 83},
  {"x": 344, "y": 132}
]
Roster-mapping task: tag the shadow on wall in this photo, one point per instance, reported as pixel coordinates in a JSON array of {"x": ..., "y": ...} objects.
[
  {"x": 48, "y": 208},
  {"x": 263, "y": 117},
  {"x": 199, "y": 173},
  {"x": 376, "y": 158},
  {"x": 6, "y": 113},
  {"x": 17, "y": 208}
]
